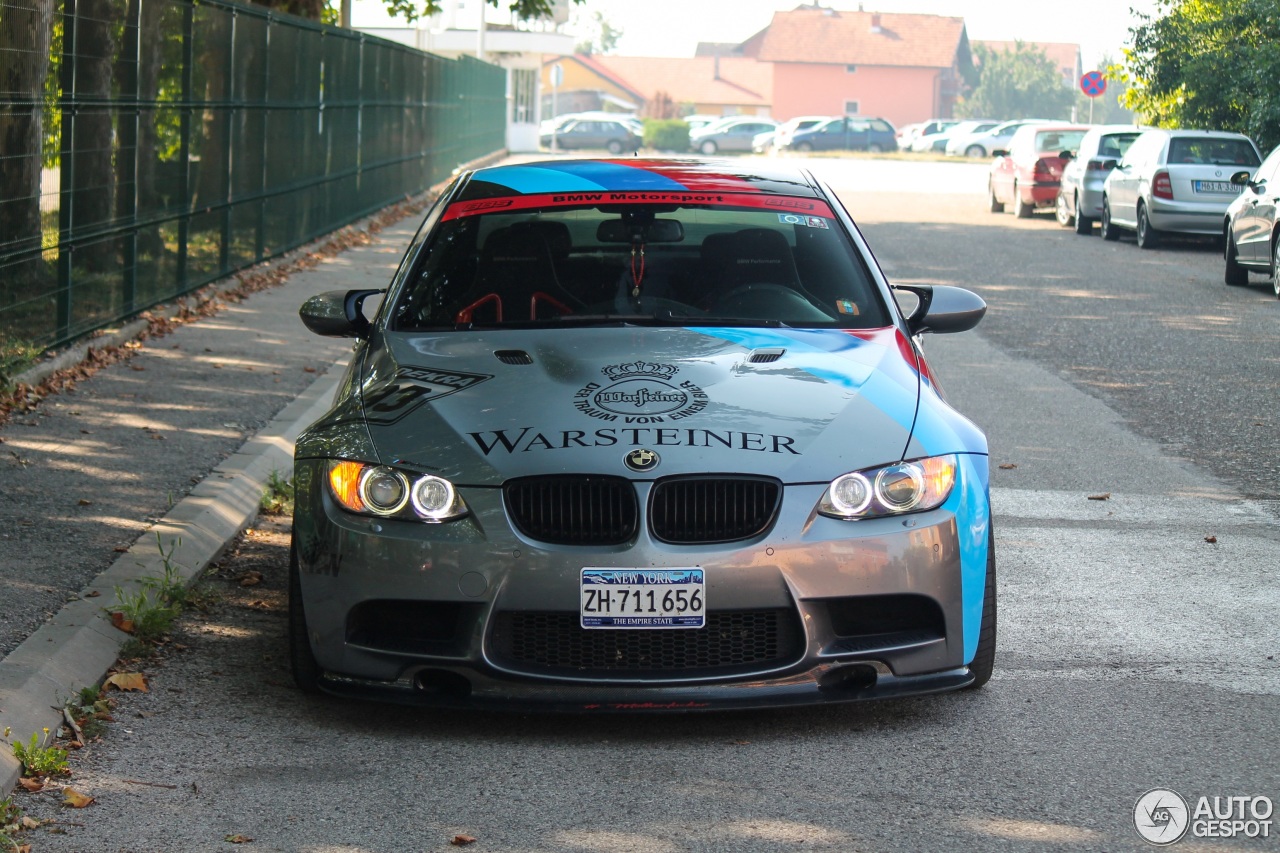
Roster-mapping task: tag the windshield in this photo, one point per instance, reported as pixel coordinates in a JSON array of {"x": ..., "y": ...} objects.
[
  {"x": 1057, "y": 141},
  {"x": 1212, "y": 151},
  {"x": 640, "y": 263}
]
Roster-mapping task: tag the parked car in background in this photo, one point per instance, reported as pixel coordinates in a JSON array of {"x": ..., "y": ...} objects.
[
  {"x": 847, "y": 133},
  {"x": 769, "y": 141},
  {"x": 1079, "y": 200},
  {"x": 986, "y": 143},
  {"x": 1028, "y": 173},
  {"x": 614, "y": 135},
  {"x": 906, "y": 138},
  {"x": 1176, "y": 181},
  {"x": 735, "y": 133},
  {"x": 699, "y": 121},
  {"x": 939, "y": 141},
  {"x": 1251, "y": 231}
]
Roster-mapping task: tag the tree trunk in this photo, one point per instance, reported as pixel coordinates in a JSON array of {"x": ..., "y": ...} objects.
[
  {"x": 92, "y": 141},
  {"x": 26, "y": 28}
]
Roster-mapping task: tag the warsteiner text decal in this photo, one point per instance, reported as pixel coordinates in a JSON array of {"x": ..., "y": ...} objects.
[
  {"x": 528, "y": 438},
  {"x": 640, "y": 392}
]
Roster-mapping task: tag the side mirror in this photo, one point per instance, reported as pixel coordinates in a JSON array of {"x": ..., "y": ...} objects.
[
  {"x": 1108, "y": 165},
  {"x": 1241, "y": 179},
  {"x": 1067, "y": 156},
  {"x": 337, "y": 313},
  {"x": 943, "y": 309},
  {"x": 1000, "y": 152}
]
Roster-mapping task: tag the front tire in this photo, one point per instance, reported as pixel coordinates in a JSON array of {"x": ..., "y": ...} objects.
[
  {"x": 1275, "y": 266},
  {"x": 1021, "y": 209},
  {"x": 1234, "y": 274},
  {"x": 975, "y": 151},
  {"x": 995, "y": 206},
  {"x": 1148, "y": 237},
  {"x": 1084, "y": 225},
  {"x": 708, "y": 148},
  {"x": 1061, "y": 212},
  {"x": 984, "y": 660},
  {"x": 1106, "y": 228},
  {"x": 306, "y": 671},
  {"x": 614, "y": 146}
]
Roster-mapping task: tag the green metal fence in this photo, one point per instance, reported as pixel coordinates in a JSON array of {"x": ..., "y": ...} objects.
[{"x": 148, "y": 147}]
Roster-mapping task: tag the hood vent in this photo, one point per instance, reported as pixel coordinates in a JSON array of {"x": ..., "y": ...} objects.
[
  {"x": 513, "y": 356},
  {"x": 766, "y": 356}
]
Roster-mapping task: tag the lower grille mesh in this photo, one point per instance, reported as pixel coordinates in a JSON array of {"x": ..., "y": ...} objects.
[{"x": 731, "y": 642}]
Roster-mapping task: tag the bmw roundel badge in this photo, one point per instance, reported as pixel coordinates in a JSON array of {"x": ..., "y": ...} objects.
[{"x": 642, "y": 459}]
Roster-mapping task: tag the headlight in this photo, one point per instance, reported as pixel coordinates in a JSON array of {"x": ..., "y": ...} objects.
[
  {"x": 894, "y": 489},
  {"x": 392, "y": 493}
]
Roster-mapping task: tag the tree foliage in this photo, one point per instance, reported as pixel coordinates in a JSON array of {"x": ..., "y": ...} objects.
[
  {"x": 1016, "y": 84},
  {"x": 412, "y": 10},
  {"x": 1209, "y": 64},
  {"x": 602, "y": 36}
]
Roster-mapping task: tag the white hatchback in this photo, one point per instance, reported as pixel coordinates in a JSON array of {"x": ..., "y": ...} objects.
[{"x": 1175, "y": 181}]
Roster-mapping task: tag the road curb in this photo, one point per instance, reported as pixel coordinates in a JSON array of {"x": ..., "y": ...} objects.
[{"x": 79, "y": 644}]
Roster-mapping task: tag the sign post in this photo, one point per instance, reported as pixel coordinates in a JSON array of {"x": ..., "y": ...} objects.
[
  {"x": 1093, "y": 84},
  {"x": 557, "y": 77}
]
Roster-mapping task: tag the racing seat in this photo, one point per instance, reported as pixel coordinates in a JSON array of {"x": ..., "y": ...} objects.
[
  {"x": 516, "y": 280},
  {"x": 756, "y": 276}
]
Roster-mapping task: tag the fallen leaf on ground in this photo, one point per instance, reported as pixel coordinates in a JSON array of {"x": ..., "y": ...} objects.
[
  {"x": 75, "y": 799},
  {"x": 127, "y": 681},
  {"x": 238, "y": 839},
  {"x": 93, "y": 593},
  {"x": 1211, "y": 539},
  {"x": 1105, "y": 496},
  {"x": 461, "y": 840},
  {"x": 83, "y": 502},
  {"x": 1008, "y": 466},
  {"x": 32, "y": 785},
  {"x": 251, "y": 579},
  {"x": 313, "y": 370},
  {"x": 29, "y": 822},
  {"x": 118, "y": 619}
]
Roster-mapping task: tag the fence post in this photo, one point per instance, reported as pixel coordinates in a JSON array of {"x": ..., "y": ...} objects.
[
  {"x": 66, "y": 171},
  {"x": 184, "y": 142},
  {"x": 127, "y": 154}
]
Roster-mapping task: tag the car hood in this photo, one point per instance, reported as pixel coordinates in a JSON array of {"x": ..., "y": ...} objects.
[{"x": 481, "y": 407}]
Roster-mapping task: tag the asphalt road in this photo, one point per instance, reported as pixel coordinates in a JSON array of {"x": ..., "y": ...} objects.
[{"x": 1134, "y": 653}]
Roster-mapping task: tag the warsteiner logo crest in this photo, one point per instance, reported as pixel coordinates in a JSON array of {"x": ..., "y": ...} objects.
[
  {"x": 617, "y": 372},
  {"x": 640, "y": 392}
]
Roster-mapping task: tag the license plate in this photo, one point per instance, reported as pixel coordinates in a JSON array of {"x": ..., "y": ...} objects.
[
  {"x": 643, "y": 598},
  {"x": 1216, "y": 187}
]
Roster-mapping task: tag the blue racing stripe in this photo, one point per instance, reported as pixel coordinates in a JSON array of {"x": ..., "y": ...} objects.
[{"x": 575, "y": 176}]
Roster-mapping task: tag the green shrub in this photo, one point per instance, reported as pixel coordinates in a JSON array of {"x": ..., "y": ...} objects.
[{"x": 666, "y": 134}]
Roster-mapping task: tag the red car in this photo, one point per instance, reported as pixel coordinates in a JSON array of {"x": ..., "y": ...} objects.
[{"x": 1027, "y": 175}]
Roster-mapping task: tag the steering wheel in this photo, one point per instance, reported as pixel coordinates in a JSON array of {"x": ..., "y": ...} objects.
[{"x": 790, "y": 294}]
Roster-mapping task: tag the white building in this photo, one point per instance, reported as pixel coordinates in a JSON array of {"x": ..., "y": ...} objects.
[{"x": 474, "y": 28}]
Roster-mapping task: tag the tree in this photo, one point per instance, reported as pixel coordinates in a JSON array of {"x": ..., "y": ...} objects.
[
  {"x": 1015, "y": 84},
  {"x": 1208, "y": 64},
  {"x": 411, "y": 10},
  {"x": 602, "y": 35}
]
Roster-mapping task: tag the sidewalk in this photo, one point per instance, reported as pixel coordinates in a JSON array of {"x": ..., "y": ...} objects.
[{"x": 151, "y": 453}]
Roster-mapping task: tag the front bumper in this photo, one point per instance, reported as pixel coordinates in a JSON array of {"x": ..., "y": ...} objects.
[{"x": 422, "y": 613}]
